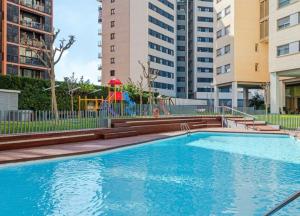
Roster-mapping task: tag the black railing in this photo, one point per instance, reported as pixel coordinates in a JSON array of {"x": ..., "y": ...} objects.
[{"x": 283, "y": 204}]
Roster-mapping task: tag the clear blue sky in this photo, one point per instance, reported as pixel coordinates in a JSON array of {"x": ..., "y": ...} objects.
[{"x": 79, "y": 18}]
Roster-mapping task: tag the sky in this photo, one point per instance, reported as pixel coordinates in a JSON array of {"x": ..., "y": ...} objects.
[{"x": 79, "y": 18}]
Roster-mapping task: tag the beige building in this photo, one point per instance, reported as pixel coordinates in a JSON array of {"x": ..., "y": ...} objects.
[
  {"x": 241, "y": 51},
  {"x": 284, "y": 55},
  {"x": 139, "y": 30}
]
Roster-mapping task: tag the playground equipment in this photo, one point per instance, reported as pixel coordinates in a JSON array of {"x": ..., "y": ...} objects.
[{"x": 117, "y": 102}]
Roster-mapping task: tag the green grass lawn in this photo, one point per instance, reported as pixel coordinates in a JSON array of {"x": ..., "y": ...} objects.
[
  {"x": 290, "y": 122},
  {"x": 14, "y": 127}
]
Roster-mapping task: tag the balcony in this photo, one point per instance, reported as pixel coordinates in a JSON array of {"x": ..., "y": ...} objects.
[
  {"x": 32, "y": 24},
  {"x": 35, "y": 6},
  {"x": 32, "y": 42},
  {"x": 31, "y": 61}
]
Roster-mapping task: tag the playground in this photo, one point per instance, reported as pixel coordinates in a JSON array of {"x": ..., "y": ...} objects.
[{"x": 119, "y": 103}]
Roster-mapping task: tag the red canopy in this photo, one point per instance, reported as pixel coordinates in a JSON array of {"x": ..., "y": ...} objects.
[{"x": 115, "y": 82}]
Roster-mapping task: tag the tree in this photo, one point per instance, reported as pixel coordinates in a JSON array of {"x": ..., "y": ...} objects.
[
  {"x": 139, "y": 85},
  {"x": 49, "y": 55},
  {"x": 72, "y": 87},
  {"x": 257, "y": 101},
  {"x": 150, "y": 74}
]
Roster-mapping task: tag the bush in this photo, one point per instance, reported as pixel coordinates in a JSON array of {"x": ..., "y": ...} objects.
[{"x": 34, "y": 97}]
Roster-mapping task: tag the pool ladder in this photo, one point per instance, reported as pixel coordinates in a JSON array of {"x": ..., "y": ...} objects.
[
  {"x": 283, "y": 204},
  {"x": 185, "y": 127}
]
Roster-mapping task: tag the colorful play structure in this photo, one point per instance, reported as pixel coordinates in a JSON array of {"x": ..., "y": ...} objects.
[{"x": 118, "y": 102}]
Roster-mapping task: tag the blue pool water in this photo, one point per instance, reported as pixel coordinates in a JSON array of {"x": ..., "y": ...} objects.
[{"x": 209, "y": 174}]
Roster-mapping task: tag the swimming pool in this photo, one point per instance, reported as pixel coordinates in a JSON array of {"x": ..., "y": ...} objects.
[{"x": 203, "y": 174}]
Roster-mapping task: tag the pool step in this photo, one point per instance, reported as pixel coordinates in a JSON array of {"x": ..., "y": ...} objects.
[
  {"x": 254, "y": 125},
  {"x": 35, "y": 142}
]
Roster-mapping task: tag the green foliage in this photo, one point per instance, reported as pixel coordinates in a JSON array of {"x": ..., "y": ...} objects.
[
  {"x": 257, "y": 102},
  {"x": 34, "y": 96}
]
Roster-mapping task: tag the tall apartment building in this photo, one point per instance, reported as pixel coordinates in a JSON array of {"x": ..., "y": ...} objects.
[
  {"x": 195, "y": 49},
  {"x": 241, "y": 53},
  {"x": 284, "y": 55},
  {"x": 140, "y": 30},
  {"x": 33, "y": 17}
]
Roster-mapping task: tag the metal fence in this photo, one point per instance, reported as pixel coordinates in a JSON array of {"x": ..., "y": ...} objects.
[
  {"x": 288, "y": 122},
  {"x": 26, "y": 122}
]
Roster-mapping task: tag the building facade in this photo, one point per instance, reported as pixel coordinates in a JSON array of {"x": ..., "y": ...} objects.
[
  {"x": 284, "y": 55},
  {"x": 33, "y": 18},
  {"x": 241, "y": 53},
  {"x": 195, "y": 49},
  {"x": 140, "y": 30}
]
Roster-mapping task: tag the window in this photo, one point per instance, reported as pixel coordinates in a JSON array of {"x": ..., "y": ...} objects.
[
  {"x": 160, "y": 24},
  {"x": 160, "y": 36},
  {"x": 180, "y": 17},
  {"x": 283, "y": 50},
  {"x": 205, "y": 39},
  {"x": 112, "y": 48},
  {"x": 204, "y": 70},
  {"x": 205, "y": 9},
  {"x": 283, "y": 23},
  {"x": 282, "y": 3},
  {"x": 180, "y": 79},
  {"x": 227, "y": 30},
  {"x": 160, "y": 48},
  {"x": 180, "y": 27},
  {"x": 161, "y": 11},
  {"x": 112, "y": 73},
  {"x": 180, "y": 48},
  {"x": 205, "y": 49},
  {"x": 205, "y": 19},
  {"x": 112, "y": 11},
  {"x": 291, "y": 20},
  {"x": 112, "y": 36},
  {"x": 227, "y": 68},
  {"x": 227, "y": 10},
  {"x": 205, "y": 59},
  {"x": 205, "y": 80},
  {"x": 112, "y": 24},
  {"x": 219, "y": 15},
  {"x": 112, "y": 60},
  {"x": 227, "y": 49},
  {"x": 205, "y": 29}
]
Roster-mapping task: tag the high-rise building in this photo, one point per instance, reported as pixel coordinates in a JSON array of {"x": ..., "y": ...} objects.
[
  {"x": 241, "y": 52},
  {"x": 195, "y": 55},
  {"x": 140, "y": 30},
  {"x": 284, "y": 55},
  {"x": 19, "y": 17}
]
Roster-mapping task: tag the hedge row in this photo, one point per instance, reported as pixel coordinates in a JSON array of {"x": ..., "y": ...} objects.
[{"x": 34, "y": 97}]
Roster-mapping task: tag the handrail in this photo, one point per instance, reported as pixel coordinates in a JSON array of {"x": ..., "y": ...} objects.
[
  {"x": 237, "y": 111},
  {"x": 283, "y": 204},
  {"x": 185, "y": 127}
]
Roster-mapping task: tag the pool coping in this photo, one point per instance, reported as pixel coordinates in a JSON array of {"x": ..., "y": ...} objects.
[{"x": 97, "y": 146}]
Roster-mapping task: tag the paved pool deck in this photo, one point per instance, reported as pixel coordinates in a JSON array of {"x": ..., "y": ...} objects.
[{"x": 80, "y": 148}]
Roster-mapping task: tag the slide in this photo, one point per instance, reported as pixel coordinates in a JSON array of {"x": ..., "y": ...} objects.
[{"x": 131, "y": 104}]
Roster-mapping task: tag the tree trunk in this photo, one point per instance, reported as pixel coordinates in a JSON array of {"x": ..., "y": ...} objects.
[{"x": 53, "y": 94}]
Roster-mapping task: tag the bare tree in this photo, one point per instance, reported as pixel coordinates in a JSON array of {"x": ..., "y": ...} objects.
[
  {"x": 139, "y": 85},
  {"x": 150, "y": 74},
  {"x": 72, "y": 87},
  {"x": 49, "y": 55}
]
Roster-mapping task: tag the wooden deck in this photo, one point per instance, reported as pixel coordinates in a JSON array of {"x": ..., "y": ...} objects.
[{"x": 95, "y": 146}]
